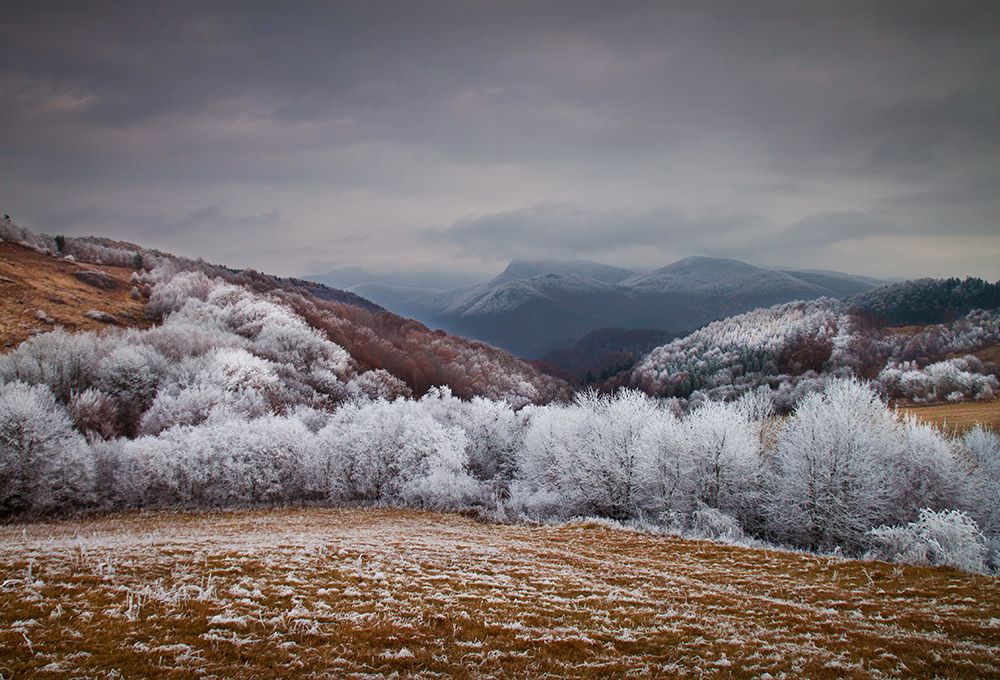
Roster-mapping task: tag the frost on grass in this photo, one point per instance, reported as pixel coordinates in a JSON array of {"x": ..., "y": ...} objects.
[{"x": 367, "y": 592}]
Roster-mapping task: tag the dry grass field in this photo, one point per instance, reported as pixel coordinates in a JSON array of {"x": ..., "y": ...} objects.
[
  {"x": 31, "y": 282},
  {"x": 362, "y": 593},
  {"x": 959, "y": 417}
]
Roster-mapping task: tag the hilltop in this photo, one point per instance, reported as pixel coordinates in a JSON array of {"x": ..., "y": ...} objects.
[{"x": 795, "y": 348}]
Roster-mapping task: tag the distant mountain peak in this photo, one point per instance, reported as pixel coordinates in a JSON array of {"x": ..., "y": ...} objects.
[
  {"x": 539, "y": 304},
  {"x": 706, "y": 263},
  {"x": 523, "y": 268}
]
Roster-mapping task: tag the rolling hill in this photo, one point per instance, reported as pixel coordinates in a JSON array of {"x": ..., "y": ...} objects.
[
  {"x": 794, "y": 348},
  {"x": 42, "y": 290}
]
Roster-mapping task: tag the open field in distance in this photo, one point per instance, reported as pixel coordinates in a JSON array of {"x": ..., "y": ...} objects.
[
  {"x": 350, "y": 593},
  {"x": 961, "y": 416}
]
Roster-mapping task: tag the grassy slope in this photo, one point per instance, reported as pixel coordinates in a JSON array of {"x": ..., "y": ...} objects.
[
  {"x": 961, "y": 417},
  {"x": 332, "y": 593},
  {"x": 30, "y": 282}
]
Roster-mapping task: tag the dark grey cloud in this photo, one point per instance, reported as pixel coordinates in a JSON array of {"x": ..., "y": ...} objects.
[
  {"x": 569, "y": 231},
  {"x": 823, "y": 229},
  {"x": 434, "y": 128}
]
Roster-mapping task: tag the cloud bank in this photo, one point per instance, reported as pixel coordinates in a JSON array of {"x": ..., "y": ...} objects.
[{"x": 853, "y": 135}]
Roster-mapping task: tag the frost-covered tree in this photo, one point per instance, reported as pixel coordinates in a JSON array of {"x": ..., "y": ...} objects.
[
  {"x": 983, "y": 449},
  {"x": 224, "y": 463},
  {"x": 377, "y": 384},
  {"x": 395, "y": 453},
  {"x": 94, "y": 413},
  {"x": 830, "y": 479},
  {"x": 493, "y": 432},
  {"x": 724, "y": 449},
  {"x": 130, "y": 375},
  {"x": 671, "y": 480},
  {"x": 142, "y": 472},
  {"x": 597, "y": 455},
  {"x": 924, "y": 472},
  {"x": 65, "y": 362},
  {"x": 44, "y": 463},
  {"x": 237, "y": 462}
]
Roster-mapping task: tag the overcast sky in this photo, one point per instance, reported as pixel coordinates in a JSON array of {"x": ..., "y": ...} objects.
[{"x": 296, "y": 137}]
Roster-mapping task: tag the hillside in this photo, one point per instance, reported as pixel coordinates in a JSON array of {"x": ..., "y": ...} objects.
[
  {"x": 534, "y": 307},
  {"x": 313, "y": 593},
  {"x": 250, "y": 392},
  {"x": 794, "y": 348},
  {"x": 928, "y": 301},
  {"x": 377, "y": 341},
  {"x": 603, "y": 353},
  {"x": 960, "y": 417},
  {"x": 38, "y": 292}
]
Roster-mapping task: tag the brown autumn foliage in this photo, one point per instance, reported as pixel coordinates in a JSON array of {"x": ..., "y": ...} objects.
[{"x": 419, "y": 356}]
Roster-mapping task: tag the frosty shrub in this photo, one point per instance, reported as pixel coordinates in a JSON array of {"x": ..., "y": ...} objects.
[
  {"x": 715, "y": 524},
  {"x": 948, "y": 537},
  {"x": 594, "y": 453},
  {"x": 94, "y": 413},
  {"x": 393, "y": 453},
  {"x": 65, "y": 362},
  {"x": 830, "y": 480},
  {"x": 44, "y": 463},
  {"x": 494, "y": 431},
  {"x": 229, "y": 463},
  {"x": 377, "y": 384},
  {"x": 724, "y": 450},
  {"x": 983, "y": 447},
  {"x": 951, "y": 380}
]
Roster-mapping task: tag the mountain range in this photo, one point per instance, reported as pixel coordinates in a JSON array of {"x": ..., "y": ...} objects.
[{"x": 536, "y": 306}]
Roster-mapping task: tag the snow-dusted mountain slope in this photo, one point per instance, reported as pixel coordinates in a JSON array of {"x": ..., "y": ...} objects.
[{"x": 534, "y": 306}]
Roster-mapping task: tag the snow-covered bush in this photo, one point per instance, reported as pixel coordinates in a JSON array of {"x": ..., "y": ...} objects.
[
  {"x": 394, "y": 453},
  {"x": 493, "y": 432},
  {"x": 130, "y": 375},
  {"x": 226, "y": 463},
  {"x": 94, "y": 413},
  {"x": 983, "y": 448},
  {"x": 951, "y": 380},
  {"x": 377, "y": 384},
  {"x": 595, "y": 453},
  {"x": 924, "y": 472},
  {"x": 65, "y": 362},
  {"x": 830, "y": 479},
  {"x": 44, "y": 463},
  {"x": 716, "y": 525},
  {"x": 724, "y": 449},
  {"x": 948, "y": 537}
]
